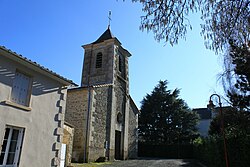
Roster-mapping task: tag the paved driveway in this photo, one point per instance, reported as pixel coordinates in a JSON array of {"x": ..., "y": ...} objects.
[{"x": 147, "y": 162}]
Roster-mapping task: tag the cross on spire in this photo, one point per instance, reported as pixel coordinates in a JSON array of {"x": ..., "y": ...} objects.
[{"x": 109, "y": 17}]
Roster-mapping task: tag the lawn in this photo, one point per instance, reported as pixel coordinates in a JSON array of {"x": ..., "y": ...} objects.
[{"x": 89, "y": 164}]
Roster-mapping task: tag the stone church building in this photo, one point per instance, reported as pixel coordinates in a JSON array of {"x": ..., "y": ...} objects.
[{"x": 103, "y": 114}]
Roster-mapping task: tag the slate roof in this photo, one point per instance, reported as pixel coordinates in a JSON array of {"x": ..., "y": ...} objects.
[
  {"x": 105, "y": 36},
  {"x": 108, "y": 35},
  {"x": 204, "y": 113},
  {"x": 34, "y": 64}
]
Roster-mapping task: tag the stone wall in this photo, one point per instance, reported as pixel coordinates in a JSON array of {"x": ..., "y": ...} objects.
[
  {"x": 109, "y": 104},
  {"x": 121, "y": 93},
  {"x": 68, "y": 136},
  {"x": 122, "y": 107},
  {"x": 92, "y": 75},
  {"x": 100, "y": 122},
  {"x": 133, "y": 132},
  {"x": 76, "y": 114},
  {"x": 120, "y": 101}
]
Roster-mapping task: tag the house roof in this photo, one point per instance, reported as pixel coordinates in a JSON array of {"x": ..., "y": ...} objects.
[
  {"x": 35, "y": 66},
  {"x": 204, "y": 113}
]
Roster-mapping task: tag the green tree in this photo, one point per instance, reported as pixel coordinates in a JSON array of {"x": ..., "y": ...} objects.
[
  {"x": 236, "y": 123},
  {"x": 240, "y": 96},
  {"x": 236, "y": 76},
  {"x": 237, "y": 134},
  {"x": 165, "y": 118},
  {"x": 222, "y": 20}
]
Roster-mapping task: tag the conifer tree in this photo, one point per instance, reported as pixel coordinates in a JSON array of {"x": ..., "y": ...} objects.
[
  {"x": 240, "y": 96},
  {"x": 165, "y": 118}
]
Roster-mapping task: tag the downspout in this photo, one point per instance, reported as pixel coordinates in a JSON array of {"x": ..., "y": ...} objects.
[
  {"x": 88, "y": 111},
  {"x": 87, "y": 125}
]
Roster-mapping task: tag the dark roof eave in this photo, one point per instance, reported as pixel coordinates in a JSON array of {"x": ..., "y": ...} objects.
[
  {"x": 37, "y": 67},
  {"x": 126, "y": 52},
  {"x": 115, "y": 40}
]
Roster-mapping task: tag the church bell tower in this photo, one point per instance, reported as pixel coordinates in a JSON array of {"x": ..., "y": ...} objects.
[
  {"x": 105, "y": 60},
  {"x": 106, "y": 65}
]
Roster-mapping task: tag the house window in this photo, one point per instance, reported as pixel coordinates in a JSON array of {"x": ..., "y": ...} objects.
[
  {"x": 21, "y": 89},
  {"x": 98, "y": 63},
  {"x": 11, "y": 146}
]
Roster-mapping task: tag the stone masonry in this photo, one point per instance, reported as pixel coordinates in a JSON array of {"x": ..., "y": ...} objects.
[
  {"x": 76, "y": 115},
  {"x": 68, "y": 135},
  {"x": 101, "y": 110},
  {"x": 100, "y": 122},
  {"x": 133, "y": 132}
]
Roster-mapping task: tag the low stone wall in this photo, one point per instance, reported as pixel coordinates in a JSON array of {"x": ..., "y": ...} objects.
[{"x": 68, "y": 135}]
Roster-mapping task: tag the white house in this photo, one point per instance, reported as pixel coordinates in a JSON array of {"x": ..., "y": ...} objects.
[
  {"x": 32, "y": 107},
  {"x": 204, "y": 121}
]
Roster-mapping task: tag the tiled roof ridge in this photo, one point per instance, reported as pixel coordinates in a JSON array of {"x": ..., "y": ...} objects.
[
  {"x": 101, "y": 85},
  {"x": 36, "y": 64},
  {"x": 92, "y": 86},
  {"x": 98, "y": 85}
]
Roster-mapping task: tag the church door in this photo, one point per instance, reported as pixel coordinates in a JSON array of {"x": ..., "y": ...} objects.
[{"x": 117, "y": 144}]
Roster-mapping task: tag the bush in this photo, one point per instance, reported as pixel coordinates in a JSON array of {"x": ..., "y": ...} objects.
[
  {"x": 165, "y": 150},
  {"x": 211, "y": 151}
]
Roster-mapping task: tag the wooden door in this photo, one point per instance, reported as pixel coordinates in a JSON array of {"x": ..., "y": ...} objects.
[{"x": 117, "y": 145}]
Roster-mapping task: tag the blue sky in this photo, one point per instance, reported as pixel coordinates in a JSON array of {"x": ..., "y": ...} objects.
[{"x": 51, "y": 33}]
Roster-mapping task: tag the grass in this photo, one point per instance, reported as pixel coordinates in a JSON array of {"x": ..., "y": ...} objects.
[{"x": 89, "y": 164}]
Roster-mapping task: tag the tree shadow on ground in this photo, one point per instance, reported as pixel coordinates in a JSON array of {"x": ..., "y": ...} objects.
[{"x": 191, "y": 163}]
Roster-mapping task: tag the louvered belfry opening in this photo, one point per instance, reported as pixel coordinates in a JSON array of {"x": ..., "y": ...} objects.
[{"x": 98, "y": 60}]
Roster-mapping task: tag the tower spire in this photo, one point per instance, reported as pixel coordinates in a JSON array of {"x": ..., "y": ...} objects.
[{"x": 109, "y": 17}]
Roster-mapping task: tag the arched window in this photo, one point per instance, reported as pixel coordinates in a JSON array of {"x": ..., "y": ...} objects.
[{"x": 98, "y": 62}]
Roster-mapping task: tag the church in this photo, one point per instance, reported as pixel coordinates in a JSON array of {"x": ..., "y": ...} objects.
[{"x": 101, "y": 110}]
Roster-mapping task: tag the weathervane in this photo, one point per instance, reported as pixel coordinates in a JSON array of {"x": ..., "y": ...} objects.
[{"x": 109, "y": 18}]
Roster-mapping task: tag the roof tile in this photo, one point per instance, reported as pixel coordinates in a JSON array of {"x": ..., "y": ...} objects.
[{"x": 37, "y": 65}]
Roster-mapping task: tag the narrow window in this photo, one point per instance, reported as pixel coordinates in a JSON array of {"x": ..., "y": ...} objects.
[
  {"x": 11, "y": 147},
  {"x": 120, "y": 63},
  {"x": 21, "y": 89},
  {"x": 98, "y": 63}
]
